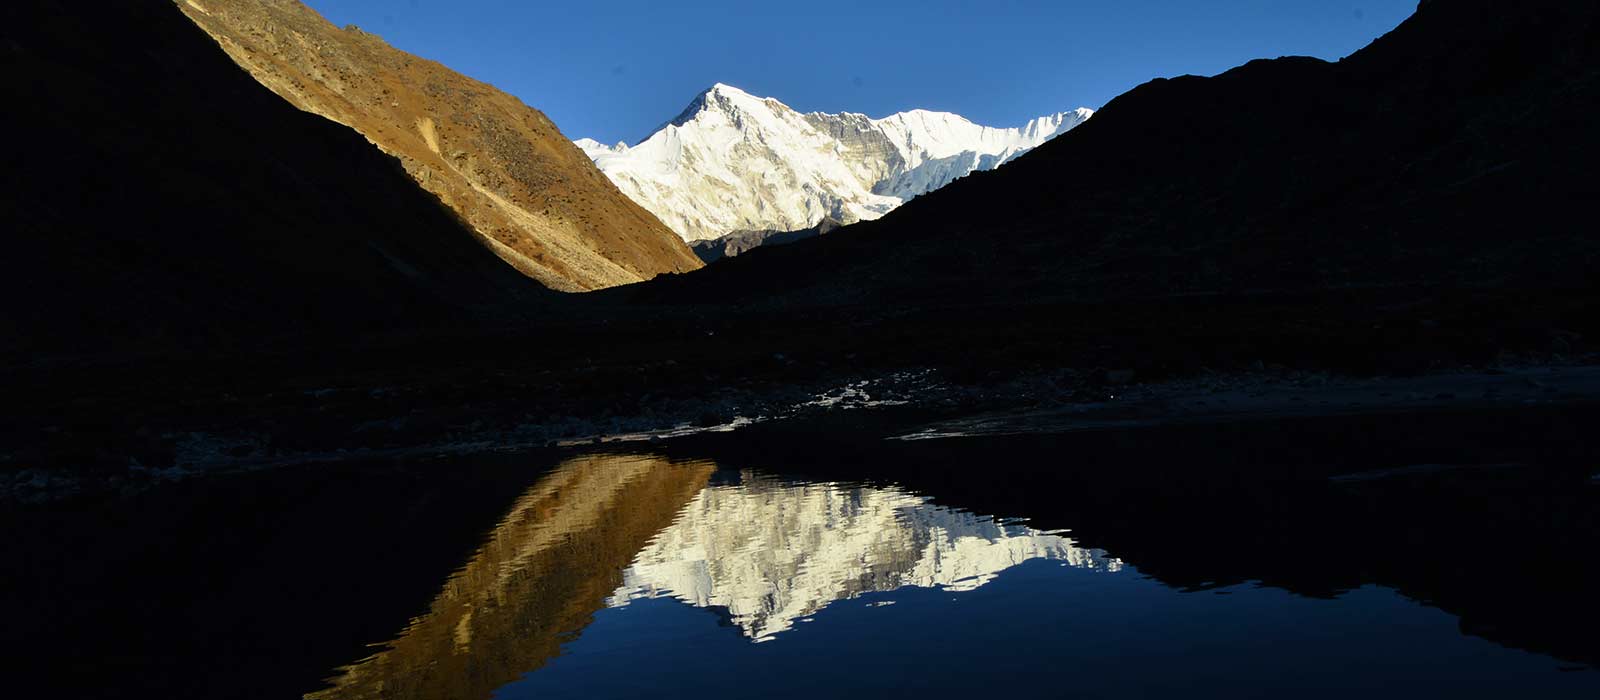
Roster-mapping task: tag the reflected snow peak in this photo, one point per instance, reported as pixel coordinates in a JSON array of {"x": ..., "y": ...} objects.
[{"x": 770, "y": 553}]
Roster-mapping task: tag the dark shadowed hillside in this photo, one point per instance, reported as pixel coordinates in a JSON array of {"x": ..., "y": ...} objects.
[
  {"x": 1455, "y": 152},
  {"x": 158, "y": 198},
  {"x": 1421, "y": 205}
]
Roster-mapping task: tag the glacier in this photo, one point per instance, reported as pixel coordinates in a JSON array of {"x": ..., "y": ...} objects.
[{"x": 734, "y": 162}]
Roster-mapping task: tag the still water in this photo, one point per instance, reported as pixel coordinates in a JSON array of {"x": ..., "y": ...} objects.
[
  {"x": 629, "y": 575},
  {"x": 1314, "y": 560}
]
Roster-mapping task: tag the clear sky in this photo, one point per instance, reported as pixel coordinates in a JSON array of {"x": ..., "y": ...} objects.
[{"x": 614, "y": 70}]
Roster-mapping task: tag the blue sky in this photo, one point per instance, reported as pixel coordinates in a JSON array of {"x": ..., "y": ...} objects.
[{"x": 615, "y": 70}]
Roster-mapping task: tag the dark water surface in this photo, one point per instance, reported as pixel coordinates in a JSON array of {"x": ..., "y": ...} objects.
[{"x": 1450, "y": 555}]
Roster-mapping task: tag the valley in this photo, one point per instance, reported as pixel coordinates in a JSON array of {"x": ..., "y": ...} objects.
[
  {"x": 998, "y": 281},
  {"x": 332, "y": 372}
]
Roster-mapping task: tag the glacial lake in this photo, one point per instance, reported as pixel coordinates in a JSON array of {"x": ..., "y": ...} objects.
[{"x": 1240, "y": 561}]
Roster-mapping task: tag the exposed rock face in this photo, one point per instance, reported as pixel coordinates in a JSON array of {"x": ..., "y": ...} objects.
[
  {"x": 501, "y": 165},
  {"x": 739, "y": 242},
  {"x": 736, "y": 162}
]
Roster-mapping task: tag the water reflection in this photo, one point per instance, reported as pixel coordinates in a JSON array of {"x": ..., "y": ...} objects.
[
  {"x": 770, "y": 553},
  {"x": 606, "y": 530},
  {"x": 258, "y": 585},
  {"x": 543, "y": 571},
  {"x": 591, "y": 564}
]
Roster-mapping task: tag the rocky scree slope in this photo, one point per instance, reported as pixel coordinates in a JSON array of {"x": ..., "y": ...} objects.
[
  {"x": 501, "y": 165},
  {"x": 736, "y": 162}
]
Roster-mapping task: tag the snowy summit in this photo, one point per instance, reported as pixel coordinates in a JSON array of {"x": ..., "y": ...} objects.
[{"x": 736, "y": 162}]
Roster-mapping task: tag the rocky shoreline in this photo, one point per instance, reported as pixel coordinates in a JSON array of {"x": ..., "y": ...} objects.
[{"x": 905, "y": 405}]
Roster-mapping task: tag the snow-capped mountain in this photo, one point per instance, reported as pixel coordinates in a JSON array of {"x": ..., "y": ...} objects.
[
  {"x": 736, "y": 162},
  {"x": 772, "y": 553}
]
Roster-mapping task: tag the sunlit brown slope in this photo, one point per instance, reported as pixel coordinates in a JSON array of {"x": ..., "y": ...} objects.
[
  {"x": 502, "y": 165},
  {"x": 157, "y": 198},
  {"x": 540, "y": 576}
]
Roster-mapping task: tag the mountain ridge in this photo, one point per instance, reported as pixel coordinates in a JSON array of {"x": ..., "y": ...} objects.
[
  {"x": 1408, "y": 163},
  {"x": 732, "y": 161},
  {"x": 503, "y": 166}
]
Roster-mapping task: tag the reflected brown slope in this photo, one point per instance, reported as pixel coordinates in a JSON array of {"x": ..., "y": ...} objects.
[{"x": 544, "y": 571}]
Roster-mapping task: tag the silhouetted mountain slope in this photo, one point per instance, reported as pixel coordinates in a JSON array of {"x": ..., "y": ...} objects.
[
  {"x": 1455, "y": 151},
  {"x": 1423, "y": 203},
  {"x": 157, "y": 198}
]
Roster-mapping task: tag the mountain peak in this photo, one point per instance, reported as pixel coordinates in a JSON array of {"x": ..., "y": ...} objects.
[
  {"x": 718, "y": 96},
  {"x": 727, "y": 99},
  {"x": 724, "y": 89},
  {"x": 732, "y": 161}
]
